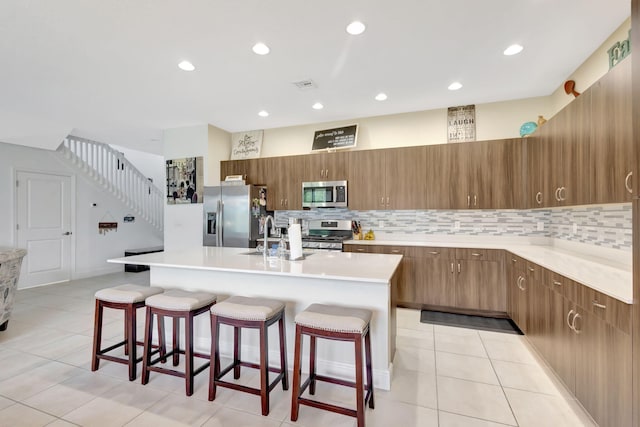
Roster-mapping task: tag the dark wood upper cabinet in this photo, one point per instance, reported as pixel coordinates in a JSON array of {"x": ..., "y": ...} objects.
[
  {"x": 326, "y": 166},
  {"x": 393, "y": 178},
  {"x": 611, "y": 137},
  {"x": 405, "y": 178},
  {"x": 366, "y": 182}
]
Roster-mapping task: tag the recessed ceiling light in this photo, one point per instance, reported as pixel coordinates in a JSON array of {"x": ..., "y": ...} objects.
[
  {"x": 514, "y": 49},
  {"x": 186, "y": 66},
  {"x": 355, "y": 28},
  {"x": 317, "y": 106},
  {"x": 263, "y": 114},
  {"x": 261, "y": 49},
  {"x": 455, "y": 86},
  {"x": 381, "y": 97}
]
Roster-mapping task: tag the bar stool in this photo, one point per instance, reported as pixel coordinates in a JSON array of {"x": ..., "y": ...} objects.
[
  {"x": 332, "y": 323},
  {"x": 177, "y": 304},
  {"x": 256, "y": 313},
  {"x": 127, "y": 298}
]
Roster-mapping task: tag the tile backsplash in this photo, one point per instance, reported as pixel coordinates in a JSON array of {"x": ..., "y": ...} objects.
[{"x": 601, "y": 225}]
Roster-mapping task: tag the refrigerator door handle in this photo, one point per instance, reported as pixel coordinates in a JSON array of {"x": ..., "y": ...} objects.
[{"x": 221, "y": 213}]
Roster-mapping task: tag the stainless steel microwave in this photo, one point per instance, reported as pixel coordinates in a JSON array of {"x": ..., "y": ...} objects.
[{"x": 324, "y": 194}]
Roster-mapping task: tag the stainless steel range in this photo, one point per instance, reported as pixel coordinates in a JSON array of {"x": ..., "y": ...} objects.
[{"x": 327, "y": 234}]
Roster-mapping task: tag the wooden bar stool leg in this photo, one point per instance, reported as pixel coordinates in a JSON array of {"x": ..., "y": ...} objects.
[
  {"x": 97, "y": 336},
  {"x": 359, "y": 381},
  {"x": 367, "y": 350},
  {"x": 148, "y": 336},
  {"x": 188, "y": 352},
  {"x": 312, "y": 366},
  {"x": 283, "y": 354},
  {"x": 126, "y": 331},
  {"x": 297, "y": 365},
  {"x": 214, "y": 361},
  {"x": 264, "y": 368},
  {"x": 237, "y": 338},
  {"x": 176, "y": 341},
  {"x": 130, "y": 323},
  {"x": 162, "y": 345}
]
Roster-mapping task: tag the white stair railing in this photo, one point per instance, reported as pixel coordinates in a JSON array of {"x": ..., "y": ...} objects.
[{"x": 110, "y": 169}]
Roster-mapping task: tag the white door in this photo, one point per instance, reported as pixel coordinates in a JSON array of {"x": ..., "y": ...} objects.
[{"x": 44, "y": 227}]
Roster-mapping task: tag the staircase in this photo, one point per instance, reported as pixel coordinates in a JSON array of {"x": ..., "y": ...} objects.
[{"x": 109, "y": 169}]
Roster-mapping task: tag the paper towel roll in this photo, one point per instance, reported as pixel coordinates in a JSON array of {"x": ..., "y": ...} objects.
[{"x": 295, "y": 242}]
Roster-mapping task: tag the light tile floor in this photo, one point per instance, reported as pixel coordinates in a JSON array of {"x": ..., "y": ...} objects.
[{"x": 443, "y": 376}]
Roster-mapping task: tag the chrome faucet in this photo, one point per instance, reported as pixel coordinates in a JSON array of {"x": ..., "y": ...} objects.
[{"x": 266, "y": 234}]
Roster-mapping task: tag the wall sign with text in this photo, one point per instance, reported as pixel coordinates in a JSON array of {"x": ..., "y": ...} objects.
[
  {"x": 331, "y": 139},
  {"x": 246, "y": 145},
  {"x": 461, "y": 123}
]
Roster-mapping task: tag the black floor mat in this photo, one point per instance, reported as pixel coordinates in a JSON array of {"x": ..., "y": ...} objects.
[{"x": 472, "y": 322}]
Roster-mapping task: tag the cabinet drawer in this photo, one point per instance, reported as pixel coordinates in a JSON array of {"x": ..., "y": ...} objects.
[
  {"x": 535, "y": 273},
  {"x": 612, "y": 311},
  {"x": 367, "y": 249},
  {"x": 480, "y": 254},
  {"x": 558, "y": 283},
  {"x": 433, "y": 253}
]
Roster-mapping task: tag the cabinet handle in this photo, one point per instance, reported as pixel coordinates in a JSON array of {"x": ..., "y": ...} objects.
[
  {"x": 558, "y": 194},
  {"x": 281, "y": 202},
  {"x": 382, "y": 200},
  {"x": 395, "y": 251},
  {"x": 539, "y": 198},
  {"x": 569, "y": 322},
  {"x": 597, "y": 304},
  {"x": 360, "y": 249},
  {"x": 475, "y": 254},
  {"x": 451, "y": 268},
  {"x": 555, "y": 282},
  {"x": 387, "y": 201},
  {"x": 573, "y": 323},
  {"x": 514, "y": 260},
  {"x": 521, "y": 281},
  {"x": 627, "y": 182},
  {"x": 458, "y": 268},
  {"x": 475, "y": 200},
  {"x": 531, "y": 269},
  {"x": 468, "y": 201},
  {"x": 326, "y": 173},
  {"x": 286, "y": 202},
  {"x": 563, "y": 194},
  {"x": 434, "y": 252}
]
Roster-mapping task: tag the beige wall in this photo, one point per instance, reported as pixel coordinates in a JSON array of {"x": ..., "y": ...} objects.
[
  {"x": 493, "y": 121},
  {"x": 596, "y": 66},
  {"x": 219, "y": 148}
]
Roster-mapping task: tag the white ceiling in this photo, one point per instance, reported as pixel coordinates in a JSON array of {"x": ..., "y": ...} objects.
[{"x": 108, "y": 68}]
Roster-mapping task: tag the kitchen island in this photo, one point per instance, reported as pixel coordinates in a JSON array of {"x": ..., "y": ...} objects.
[{"x": 328, "y": 277}]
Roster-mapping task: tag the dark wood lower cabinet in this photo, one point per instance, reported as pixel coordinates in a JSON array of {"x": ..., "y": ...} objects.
[
  {"x": 580, "y": 341},
  {"x": 436, "y": 276},
  {"x": 584, "y": 336}
]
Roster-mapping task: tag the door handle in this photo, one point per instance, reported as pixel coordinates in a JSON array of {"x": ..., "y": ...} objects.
[{"x": 67, "y": 233}]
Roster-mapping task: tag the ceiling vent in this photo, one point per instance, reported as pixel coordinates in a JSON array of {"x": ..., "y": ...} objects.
[{"x": 305, "y": 84}]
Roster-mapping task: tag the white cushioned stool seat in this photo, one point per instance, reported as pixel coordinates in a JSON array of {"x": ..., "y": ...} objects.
[
  {"x": 246, "y": 308},
  {"x": 127, "y": 294},
  {"x": 180, "y": 300},
  {"x": 334, "y": 318}
]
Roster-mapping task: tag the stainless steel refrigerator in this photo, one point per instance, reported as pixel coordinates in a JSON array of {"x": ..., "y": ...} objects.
[{"x": 234, "y": 214}]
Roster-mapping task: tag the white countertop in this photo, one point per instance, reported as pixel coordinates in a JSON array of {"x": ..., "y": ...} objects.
[
  {"x": 375, "y": 268},
  {"x": 600, "y": 273}
]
